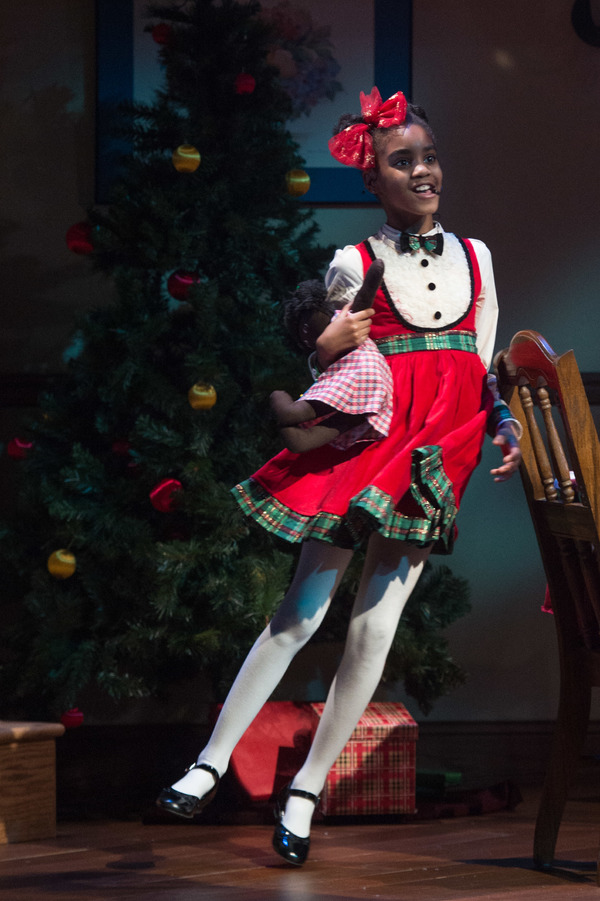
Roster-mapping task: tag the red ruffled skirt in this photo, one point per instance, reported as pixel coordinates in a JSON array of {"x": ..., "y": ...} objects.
[{"x": 407, "y": 486}]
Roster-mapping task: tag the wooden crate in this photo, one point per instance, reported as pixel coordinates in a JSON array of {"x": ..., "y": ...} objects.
[{"x": 28, "y": 781}]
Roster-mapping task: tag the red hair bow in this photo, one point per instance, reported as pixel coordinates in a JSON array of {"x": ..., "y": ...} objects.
[{"x": 354, "y": 145}]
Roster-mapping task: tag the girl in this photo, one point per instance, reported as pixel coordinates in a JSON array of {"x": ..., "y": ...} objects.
[
  {"x": 352, "y": 400},
  {"x": 434, "y": 318}
]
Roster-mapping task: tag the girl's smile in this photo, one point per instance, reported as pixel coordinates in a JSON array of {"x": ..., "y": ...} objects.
[{"x": 407, "y": 179}]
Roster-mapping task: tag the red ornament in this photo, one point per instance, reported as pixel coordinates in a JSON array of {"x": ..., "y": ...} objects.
[
  {"x": 179, "y": 284},
  {"x": 162, "y": 33},
  {"x": 79, "y": 238},
  {"x": 72, "y": 718},
  {"x": 121, "y": 447},
  {"x": 245, "y": 83},
  {"x": 165, "y": 495},
  {"x": 17, "y": 448}
]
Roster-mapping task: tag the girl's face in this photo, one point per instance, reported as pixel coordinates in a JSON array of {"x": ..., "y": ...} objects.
[{"x": 407, "y": 178}]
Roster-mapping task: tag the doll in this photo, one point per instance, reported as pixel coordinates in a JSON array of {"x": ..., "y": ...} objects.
[{"x": 352, "y": 399}]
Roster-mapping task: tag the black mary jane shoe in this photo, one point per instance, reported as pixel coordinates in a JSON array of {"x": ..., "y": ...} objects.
[
  {"x": 187, "y": 806},
  {"x": 291, "y": 847}
]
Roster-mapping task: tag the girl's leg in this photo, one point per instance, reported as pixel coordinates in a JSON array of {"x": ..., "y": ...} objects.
[
  {"x": 391, "y": 571},
  {"x": 320, "y": 569}
]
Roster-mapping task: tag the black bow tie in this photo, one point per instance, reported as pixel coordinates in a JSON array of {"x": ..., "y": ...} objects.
[{"x": 430, "y": 243}]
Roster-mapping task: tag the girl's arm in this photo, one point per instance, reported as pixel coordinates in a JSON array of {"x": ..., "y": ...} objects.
[
  {"x": 507, "y": 440},
  {"x": 344, "y": 281},
  {"x": 486, "y": 316},
  {"x": 502, "y": 426}
]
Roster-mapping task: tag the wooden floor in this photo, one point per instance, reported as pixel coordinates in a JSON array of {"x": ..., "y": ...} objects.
[{"x": 473, "y": 857}]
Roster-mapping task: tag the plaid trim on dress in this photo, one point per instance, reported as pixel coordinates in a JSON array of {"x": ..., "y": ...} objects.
[
  {"x": 456, "y": 339},
  {"x": 371, "y": 510}
]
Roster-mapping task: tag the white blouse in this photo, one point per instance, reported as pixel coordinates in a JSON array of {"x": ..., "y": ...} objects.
[{"x": 409, "y": 281}]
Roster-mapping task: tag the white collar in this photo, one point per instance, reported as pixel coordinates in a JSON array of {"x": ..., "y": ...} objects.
[{"x": 394, "y": 233}]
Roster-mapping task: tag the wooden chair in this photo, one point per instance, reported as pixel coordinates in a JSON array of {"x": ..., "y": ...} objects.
[{"x": 561, "y": 478}]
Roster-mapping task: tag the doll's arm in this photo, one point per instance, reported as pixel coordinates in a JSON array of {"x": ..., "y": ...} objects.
[
  {"x": 299, "y": 440},
  {"x": 289, "y": 411}
]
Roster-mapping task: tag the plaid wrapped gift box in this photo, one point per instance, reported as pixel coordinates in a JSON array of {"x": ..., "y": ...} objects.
[{"x": 375, "y": 773}]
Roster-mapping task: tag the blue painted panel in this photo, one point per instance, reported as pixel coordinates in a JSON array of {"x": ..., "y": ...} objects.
[
  {"x": 114, "y": 37},
  {"x": 114, "y": 83}
]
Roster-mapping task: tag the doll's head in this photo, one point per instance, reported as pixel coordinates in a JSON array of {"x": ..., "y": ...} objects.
[{"x": 307, "y": 312}]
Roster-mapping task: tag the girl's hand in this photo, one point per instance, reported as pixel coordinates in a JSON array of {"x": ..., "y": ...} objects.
[
  {"x": 343, "y": 334},
  {"x": 348, "y": 330},
  {"x": 508, "y": 441}
]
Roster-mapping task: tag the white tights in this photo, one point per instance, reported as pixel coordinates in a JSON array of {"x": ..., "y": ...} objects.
[{"x": 390, "y": 572}]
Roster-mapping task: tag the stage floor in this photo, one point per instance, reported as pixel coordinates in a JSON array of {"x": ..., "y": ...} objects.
[{"x": 472, "y": 857}]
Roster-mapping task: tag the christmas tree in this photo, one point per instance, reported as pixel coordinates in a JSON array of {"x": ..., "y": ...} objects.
[{"x": 128, "y": 566}]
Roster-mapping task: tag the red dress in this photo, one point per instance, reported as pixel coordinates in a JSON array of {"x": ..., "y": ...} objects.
[{"x": 409, "y": 485}]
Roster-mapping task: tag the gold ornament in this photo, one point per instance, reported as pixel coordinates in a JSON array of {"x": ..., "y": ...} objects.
[
  {"x": 202, "y": 396},
  {"x": 297, "y": 182},
  {"x": 186, "y": 158},
  {"x": 62, "y": 564}
]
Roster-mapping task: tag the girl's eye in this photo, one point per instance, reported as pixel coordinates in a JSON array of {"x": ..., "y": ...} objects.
[{"x": 432, "y": 158}]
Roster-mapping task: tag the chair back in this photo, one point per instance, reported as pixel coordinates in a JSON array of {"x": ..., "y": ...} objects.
[{"x": 561, "y": 479}]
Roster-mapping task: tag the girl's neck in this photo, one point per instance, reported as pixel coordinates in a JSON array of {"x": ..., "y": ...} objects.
[{"x": 418, "y": 227}]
